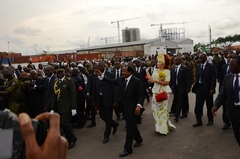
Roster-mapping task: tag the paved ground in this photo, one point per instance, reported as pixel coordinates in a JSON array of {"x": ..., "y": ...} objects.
[{"x": 185, "y": 142}]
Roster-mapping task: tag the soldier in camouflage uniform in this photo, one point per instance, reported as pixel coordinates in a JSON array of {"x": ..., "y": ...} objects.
[{"x": 13, "y": 90}]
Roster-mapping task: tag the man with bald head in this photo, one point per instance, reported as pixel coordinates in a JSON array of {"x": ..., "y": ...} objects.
[
  {"x": 204, "y": 88},
  {"x": 105, "y": 97}
]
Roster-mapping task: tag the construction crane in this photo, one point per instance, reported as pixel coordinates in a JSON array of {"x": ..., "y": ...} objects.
[
  {"x": 108, "y": 38},
  {"x": 118, "y": 25},
  {"x": 161, "y": 26}
]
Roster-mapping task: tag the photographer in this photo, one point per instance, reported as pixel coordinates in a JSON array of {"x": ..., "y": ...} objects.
[{"x": 54, "y": 147}]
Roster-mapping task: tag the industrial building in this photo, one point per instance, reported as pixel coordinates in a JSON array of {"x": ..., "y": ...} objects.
[{"x": 140, "y": 48}]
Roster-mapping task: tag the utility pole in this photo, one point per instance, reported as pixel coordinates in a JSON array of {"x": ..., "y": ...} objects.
[
  {"x": 210, "y": 38},
  {"x": 8, "y": 47}
]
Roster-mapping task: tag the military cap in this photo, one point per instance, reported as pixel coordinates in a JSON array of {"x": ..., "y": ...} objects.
[
  {"x": 60, "y": 68},
  {"x": 89, "y": 64},
  {"x": 8, "y": 71}
]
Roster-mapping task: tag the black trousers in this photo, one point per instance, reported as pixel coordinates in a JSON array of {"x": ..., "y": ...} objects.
[
  {"x": 201, "y": 97},
  {"x": 179, "y": 98},
  {"x": 236, "y": 130},
  {"x": 132, "y": 133},
  {"x": 106, "y": 112},
  {"x": 224, "y": 116}
]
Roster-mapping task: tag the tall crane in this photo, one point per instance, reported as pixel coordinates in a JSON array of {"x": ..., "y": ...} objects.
[
  {"x": 161, "y": 26},
  {"x": 118, "y": 25},
  {"x": 108, "y": 38}
]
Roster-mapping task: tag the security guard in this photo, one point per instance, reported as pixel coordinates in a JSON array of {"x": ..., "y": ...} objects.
[
  {"x": 13, "y": 90},
  {"x": 64, "y": 103}
]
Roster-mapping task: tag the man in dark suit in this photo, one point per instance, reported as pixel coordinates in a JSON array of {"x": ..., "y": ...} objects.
[
  {"x": 204, "y": 88},
  {"x": 180, "y": 83},
  {"x": 18, "y": 71},
  {"x": 230, "y": 92},
  {"x": 141, "y": 73},
  {"x": 132, "y": 97},
  {"x": 64, "y": 103},
  {"x": 47, "y": 87},
  {"x": 117, "y": 71},
  {"x": 224, "y": 71},
  {"x": 35, "y": 99},
  {"x": 89, "y": 93},
  {"x": 220, "y": 64},
  {"x": 105, "y": 97}
]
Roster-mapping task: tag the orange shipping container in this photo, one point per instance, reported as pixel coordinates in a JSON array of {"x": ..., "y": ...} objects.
[
  {"x": 22, "y": 59},
  {"x": 89, "y": 56}
]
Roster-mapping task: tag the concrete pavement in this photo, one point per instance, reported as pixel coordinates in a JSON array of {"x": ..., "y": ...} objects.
[{"x": 185, "y": 142}]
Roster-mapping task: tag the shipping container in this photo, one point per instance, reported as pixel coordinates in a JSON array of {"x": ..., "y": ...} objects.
[
  {"x": 93, "y": 56},
  {"x": 22, "y": 59}
]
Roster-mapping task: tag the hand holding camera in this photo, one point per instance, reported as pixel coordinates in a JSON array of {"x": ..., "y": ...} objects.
[{"x": 54, "y": 147}]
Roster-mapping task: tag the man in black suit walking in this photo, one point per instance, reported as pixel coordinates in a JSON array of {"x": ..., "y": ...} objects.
[
  {"x": 224, "y": 71},
  {"x": 132, "y": 97},
  {"x": 105, "y": 97},
  {"x": 117, "y": 71},
  {"x": 230, "y": 92},
  {"x": 204, "y": 88},
  {"x": 180, "y": 83}
]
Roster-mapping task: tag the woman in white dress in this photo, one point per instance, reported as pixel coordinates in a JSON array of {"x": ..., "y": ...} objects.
[{"x": 161, "y": 78}]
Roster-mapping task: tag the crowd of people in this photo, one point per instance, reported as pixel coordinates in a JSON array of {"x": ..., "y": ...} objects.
[{"x": 78, "y": 91}]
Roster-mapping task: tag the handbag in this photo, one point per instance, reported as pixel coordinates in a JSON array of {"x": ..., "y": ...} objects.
[{"x": 161, "y": 96}]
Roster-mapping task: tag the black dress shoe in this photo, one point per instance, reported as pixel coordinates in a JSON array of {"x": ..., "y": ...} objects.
[
  {"x": 209, "y": 123},
  {"x": 71, "y": 144},
  {"x": 137, "y": 143},
  {"x": 124, "y": 153},
  {"x": 175, "y": 119},
  {"x": 226, "y": 126},
  {"x": 183, "y": 116},
  {"x": 91, "y": 125},
  {"x": 105, "y": 140},
  {"x": 115, "y": 128},
  {"x": 197, "y": 124}
]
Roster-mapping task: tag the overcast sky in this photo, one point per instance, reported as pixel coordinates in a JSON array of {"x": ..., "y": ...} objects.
[{"x": 35, "y": 25}]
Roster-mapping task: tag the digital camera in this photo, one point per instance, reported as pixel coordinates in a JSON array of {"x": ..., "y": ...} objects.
[{"x": 11, "y": 141}]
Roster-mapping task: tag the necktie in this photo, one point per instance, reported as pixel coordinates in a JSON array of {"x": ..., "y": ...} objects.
[
  {"x": 228, "y": 70},
  {"x": 201, "y": 72},
  {"x": 117, "y": 74},
  {"x": 176, "y": 75},
  {"x": 125, "y": 84},
  {"x": 236, "y": 91}
]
